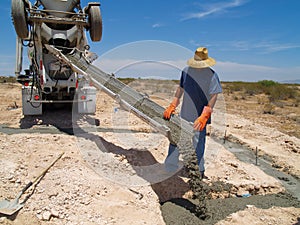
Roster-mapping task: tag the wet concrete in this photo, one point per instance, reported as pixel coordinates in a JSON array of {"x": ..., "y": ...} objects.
[
  {"x": 182, "y": 211},
  {"x": 186, "y": 211},
  {"x": 244, "y": 154}
]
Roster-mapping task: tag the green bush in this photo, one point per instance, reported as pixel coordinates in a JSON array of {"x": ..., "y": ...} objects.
[
  {"x": 274, "y": 90},
  {"x": 267, "y": 83}
]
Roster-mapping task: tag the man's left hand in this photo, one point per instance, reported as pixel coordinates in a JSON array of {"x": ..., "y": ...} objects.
[{"x": 201, "y": 121}]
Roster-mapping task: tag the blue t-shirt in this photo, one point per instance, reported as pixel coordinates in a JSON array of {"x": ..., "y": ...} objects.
[{"x": 198, "y": 85}]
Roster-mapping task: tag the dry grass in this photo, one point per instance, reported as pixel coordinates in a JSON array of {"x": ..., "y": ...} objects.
[{"x": 266, "y": 105}]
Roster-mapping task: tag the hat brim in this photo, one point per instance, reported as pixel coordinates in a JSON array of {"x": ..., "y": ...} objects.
[{"x": 201, "y": 63}]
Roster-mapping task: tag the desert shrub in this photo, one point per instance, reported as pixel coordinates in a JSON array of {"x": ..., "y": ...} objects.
[
  {"x": 277, "y": 91},
  {"x": 5, "y": 79},
  {"x": 267, "y": 83},
  {"x": 269, "y": 109},
  {"x": 279, "y": 104},
  {"x": 281, "y": 92},
  {"x": 176, "y": 81},
  {"x": 274, "y": 90},
  {"x": 126, "y": 80},
  {"x": 236, "y": 86},
  {"x": 262, "y": 100},
  {"x": 297, "y": 101},
  {"x": 248, "y": 88}
]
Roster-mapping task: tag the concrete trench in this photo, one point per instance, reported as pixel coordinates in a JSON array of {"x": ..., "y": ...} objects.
[
  {"x": 291, "y": 184},
  {"x": 183, "y": 211}
]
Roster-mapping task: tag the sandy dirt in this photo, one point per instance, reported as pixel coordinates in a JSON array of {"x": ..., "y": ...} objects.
[{"x": 112, "y": 168}]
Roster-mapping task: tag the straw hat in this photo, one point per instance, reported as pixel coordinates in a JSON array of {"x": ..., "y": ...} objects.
[{"x": 201, "y": 59}]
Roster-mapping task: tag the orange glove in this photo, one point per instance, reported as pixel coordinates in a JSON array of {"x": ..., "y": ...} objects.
[
  {"x": 171, "y": 109},
  {"x": 201, "y": 121}
]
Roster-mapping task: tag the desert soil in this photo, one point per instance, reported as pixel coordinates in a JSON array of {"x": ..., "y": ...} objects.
[{"x": 112, "y": 168}]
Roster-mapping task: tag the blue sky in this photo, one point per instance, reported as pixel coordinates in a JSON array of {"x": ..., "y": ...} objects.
[{"x": 250, "y": 39}]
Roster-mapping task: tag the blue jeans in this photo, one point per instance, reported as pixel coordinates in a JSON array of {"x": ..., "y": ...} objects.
[{"x": 171, "y": 162}]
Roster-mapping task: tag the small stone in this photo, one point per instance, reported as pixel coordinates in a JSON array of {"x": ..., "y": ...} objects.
[
  {"x": 46, "y": 216},
  {"x": 10, "y": 177},
  {"x": 39, "y": 216},
  {"x": 251, "y": 187},
  {"x": 54, "y": 213},
  {"x": 261, "y": 191},
  {"x": 235, "y": 165},
  {"x": 39, "y": 211},
  {"x": 241, "y": 192},
  {"x": 257, "y": 187},
  {"x": 18, "y": 181}
]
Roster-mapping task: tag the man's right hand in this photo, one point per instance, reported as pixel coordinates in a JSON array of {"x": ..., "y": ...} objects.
[{"x": 171, "y": 109}]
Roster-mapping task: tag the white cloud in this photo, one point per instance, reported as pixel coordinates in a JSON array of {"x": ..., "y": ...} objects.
[
  {"x": 231, "y": 71},
  {"x": 213, "y": 9},
  {"x": 157, "y": 25},
  {"x": 260, "y": 47},
  {"x": 275, "y": 47}
]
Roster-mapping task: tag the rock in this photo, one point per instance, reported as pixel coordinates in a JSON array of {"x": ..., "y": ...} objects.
[
  {"x": 46, "y": 215},
  {"x": 233, "y": 164},
  {"x": 261, "y": 191},
  {"x": 10, "y": 177},
  {"x": 257, "y": 187},
  {"x": 242, "y": 192},
  {"x": 251, "y": 187},
  {"x": 18, "y": 181},
  {"x": 54, "y": 213},
  {"x": 39, "y": 216}
]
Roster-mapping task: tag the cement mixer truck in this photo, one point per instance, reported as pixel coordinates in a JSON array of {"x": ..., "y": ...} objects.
[{"x": 62, "y": 24}]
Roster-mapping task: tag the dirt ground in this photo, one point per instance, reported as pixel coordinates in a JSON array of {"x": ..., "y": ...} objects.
[{"x": 112, "y": 168}]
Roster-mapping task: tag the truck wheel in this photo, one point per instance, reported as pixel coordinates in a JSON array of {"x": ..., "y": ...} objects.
[
  {"x": 95, "y": 21},
  {"x": 19, "y": 17}
]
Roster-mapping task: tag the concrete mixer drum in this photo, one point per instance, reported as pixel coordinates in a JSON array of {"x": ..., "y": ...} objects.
[{"x": 62, "y": 24}]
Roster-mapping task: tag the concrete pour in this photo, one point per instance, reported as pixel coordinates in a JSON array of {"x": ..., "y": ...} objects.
[{"x": 178, "y": 211}]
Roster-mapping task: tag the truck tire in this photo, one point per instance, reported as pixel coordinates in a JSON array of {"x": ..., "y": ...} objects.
[
  {"x": 19, "y": 17},
  {"x": 95, "y": 21}
]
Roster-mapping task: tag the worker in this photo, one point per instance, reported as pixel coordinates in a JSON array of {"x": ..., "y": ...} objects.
[{"x": 200, "y": 86}]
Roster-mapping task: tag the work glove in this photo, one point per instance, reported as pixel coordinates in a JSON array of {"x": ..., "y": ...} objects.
[
  {"x": 201, "y": 121},
  {"x": 171, "y": 109}
]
